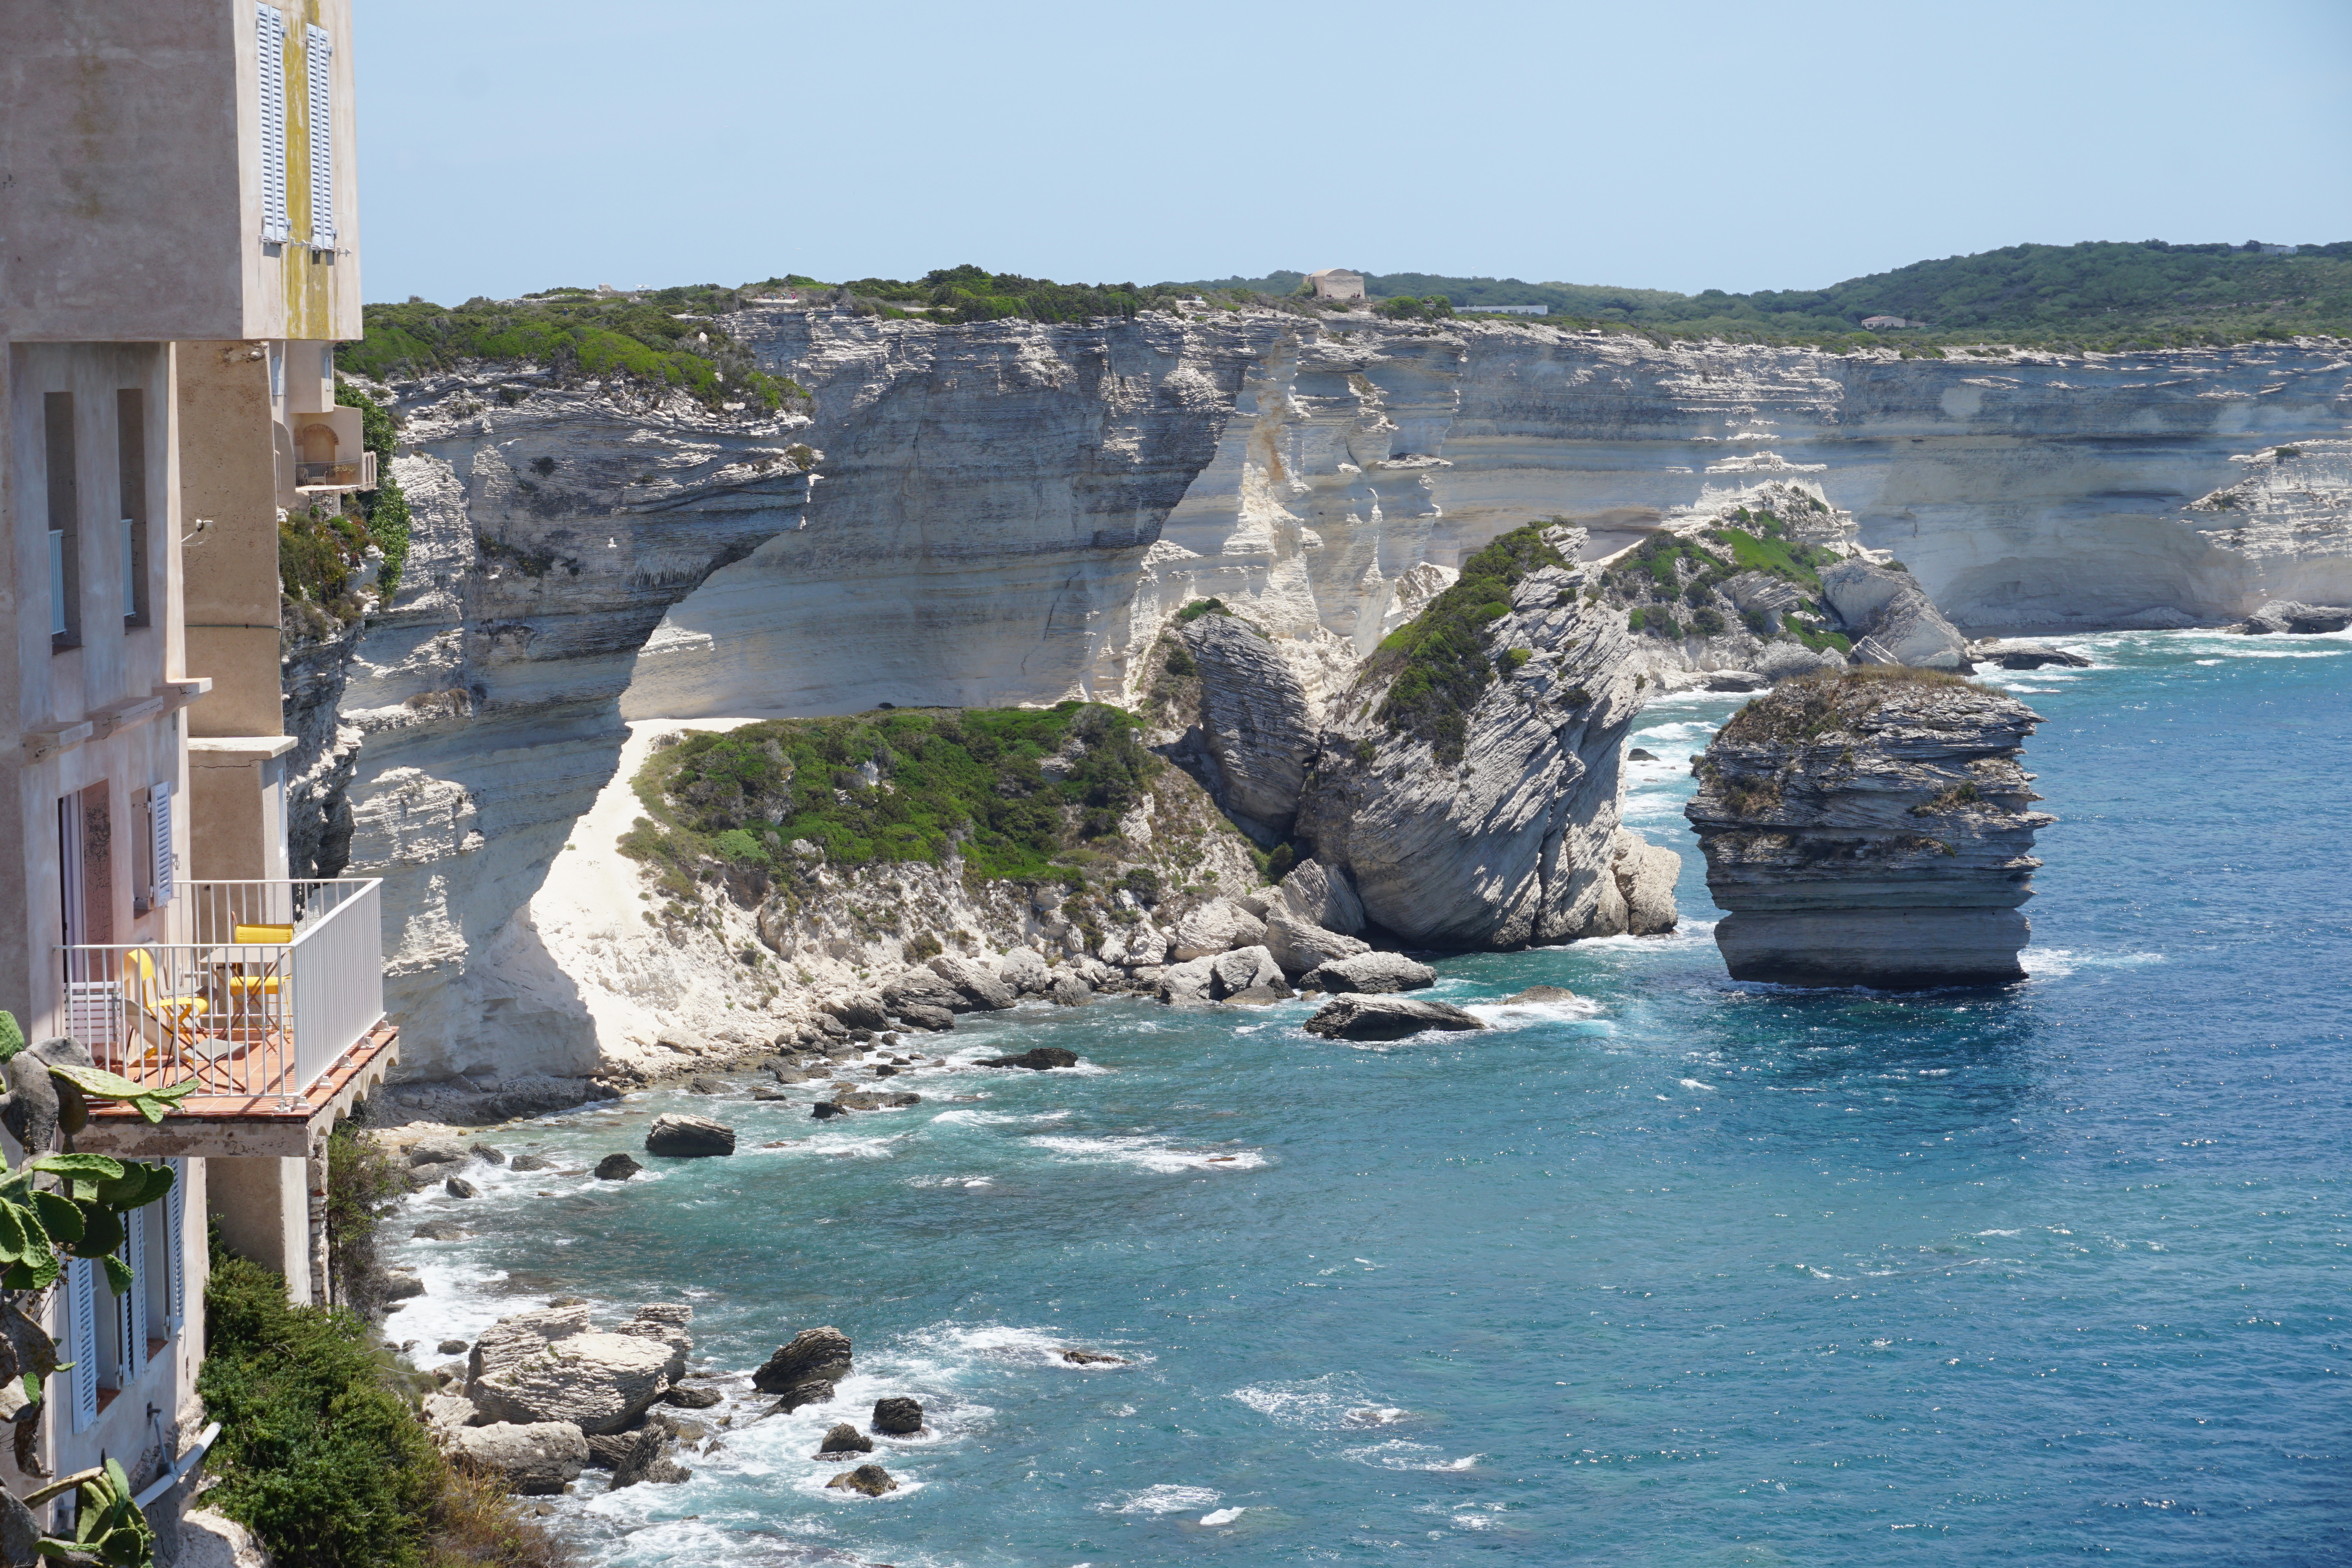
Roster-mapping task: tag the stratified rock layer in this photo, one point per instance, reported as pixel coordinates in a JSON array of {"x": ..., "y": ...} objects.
[
  {"x": 1871, "y": 829},
  {"x": 1507, "y": 840}
]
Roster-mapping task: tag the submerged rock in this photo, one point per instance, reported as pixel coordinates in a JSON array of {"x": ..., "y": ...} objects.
[
  {"x": 693, "y": 1398},
  {"x": 1540, "y": 994},
  {"x": 688, "y": 1137},
  {"x": 1037, "y": 1059},
  {"x": 1092, "y": 1358},
  {"x": 1386, "y": 1017},
  {"x": 1870, "y": 828},
  {"x": 531, "y": 1163},
  {"x": 2026, "y": 656}
]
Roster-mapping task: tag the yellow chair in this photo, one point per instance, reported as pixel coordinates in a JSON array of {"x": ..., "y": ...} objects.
[
  {"x": 265, "y": 983},
  {"x": 163, "y": 1019}
]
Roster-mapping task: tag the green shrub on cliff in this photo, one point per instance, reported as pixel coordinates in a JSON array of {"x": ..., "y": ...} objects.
[
  {"x": 320, "y": 1451},
  {"x": 1440, "y": 659},
  {"x": 642, "y": 339},
  {"x": 897, "y": 785}
]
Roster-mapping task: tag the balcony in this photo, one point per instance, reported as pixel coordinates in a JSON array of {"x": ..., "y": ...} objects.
[
  {"x": 352, "y": 473},
  {"x": 273, "y": 1004}
]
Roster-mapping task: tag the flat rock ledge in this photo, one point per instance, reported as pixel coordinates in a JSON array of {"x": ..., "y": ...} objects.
[
  {"x": 1870, "y": 828},
  {"x": 1386, "y": 1017}
]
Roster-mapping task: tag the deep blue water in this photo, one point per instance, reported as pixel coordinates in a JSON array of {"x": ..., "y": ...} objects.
[{"x": 1692, "y": 1274}]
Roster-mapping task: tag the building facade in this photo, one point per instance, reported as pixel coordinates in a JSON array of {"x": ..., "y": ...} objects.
[
  {"x": 1336, "y": 283},
  {"x": 178, "y": 202}
]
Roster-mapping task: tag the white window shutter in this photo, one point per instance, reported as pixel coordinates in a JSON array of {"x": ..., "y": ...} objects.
[
  {"x": 321, "y": 51},
  {"x": 175, "y": 1254},
  {"x": 159, "y": 850},
  {"x": 131, "y": 1307},
  {"x": 81, "y": 1340},
  {"x": 270, "y": 38}
]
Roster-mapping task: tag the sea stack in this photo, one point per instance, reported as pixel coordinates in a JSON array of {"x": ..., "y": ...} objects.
[{"x": 1869, "y": 827}]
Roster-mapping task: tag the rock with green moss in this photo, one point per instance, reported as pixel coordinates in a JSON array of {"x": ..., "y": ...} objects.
[{"x": 1871, "y": 828}]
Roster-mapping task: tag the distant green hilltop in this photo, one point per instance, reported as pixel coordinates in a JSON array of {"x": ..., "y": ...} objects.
[
  {"x": 2102, "y": 295},
  {"x": 2098, "y": 295}
]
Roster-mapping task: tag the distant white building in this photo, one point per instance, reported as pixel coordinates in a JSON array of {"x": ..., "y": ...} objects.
[
  {"x": 1336, "y": 283},
  {"x": 1888, "y": 323}
]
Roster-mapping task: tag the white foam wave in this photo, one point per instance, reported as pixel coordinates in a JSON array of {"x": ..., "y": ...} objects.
[
  {"x": 1165, "y": 1499},
  {"x": 1149, "y": 1154},
  {"x": 1223, "y": 1516},
  {"x": 970, "y": 1118},
  {"x": 1527, "y": 1015},
  {"x": 2057, "y": 963},
  {"x": 1335, "y": 1402},
  {"x": 1401, "y": 1454},
  {"x": 954, "y": 1346}
]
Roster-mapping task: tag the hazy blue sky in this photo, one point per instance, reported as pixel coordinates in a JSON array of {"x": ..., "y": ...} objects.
[{"x": 520, "y": 144}]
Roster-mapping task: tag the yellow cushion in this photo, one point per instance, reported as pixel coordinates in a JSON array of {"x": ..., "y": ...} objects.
[{"x": 261, "y": 935}]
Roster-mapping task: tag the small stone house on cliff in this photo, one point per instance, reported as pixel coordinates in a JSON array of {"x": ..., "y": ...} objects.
[
  {"x": 1336, "y": 283},
  {"x": 178, "y": 275}
]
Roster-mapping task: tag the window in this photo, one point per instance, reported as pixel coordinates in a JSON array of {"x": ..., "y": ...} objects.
[
  {"x": 163, "y": 1278},
  {"x": 131, "y": 455},
  {"x": 156, "y": 863},
  {"x": 65, "y": 514},
  {"x": 269, "y": 30},
  {"x": 81, "y": 1340},
  {"x": 320, "y": 59}
]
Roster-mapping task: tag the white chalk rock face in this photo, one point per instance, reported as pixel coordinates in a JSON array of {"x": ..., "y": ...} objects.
[
  {"x": 1503, "y": 837},
  {"x": 1011, "y": 513},
  {"x": 1645, "y": 874},
  {"x": 1217, "y": 926},
  {"x": 1891, "y": 619},
  {"x": 1257, "y": 720},
  {"x": 1317, "y": 894},
  {"x": 1298, "y": 946}
]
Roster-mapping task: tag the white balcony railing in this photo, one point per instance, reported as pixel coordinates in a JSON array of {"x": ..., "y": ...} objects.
[
  {"x": 275, "y": 982},
  {"x": 347, "y": 474}
]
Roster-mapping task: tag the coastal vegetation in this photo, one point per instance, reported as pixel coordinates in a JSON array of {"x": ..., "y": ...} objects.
[
  {"x": 322, "y": 547},
  {"x": 1440, "y": 661},
  {"x": 1828, "y": 701},
  {"x": 2101, "y": 295},
  {"x": 321, "y": 1452},
  {"x": 1672, "y": 584},
  {"x": 665, "y": 338},
  {"x": 968, "y": 293},
  {"x": 1011, "y": 791}
]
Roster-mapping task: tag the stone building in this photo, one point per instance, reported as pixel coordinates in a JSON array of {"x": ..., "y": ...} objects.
[
  {"x": 1336, "y": 283},
  {"x": 183, "y": 256}
]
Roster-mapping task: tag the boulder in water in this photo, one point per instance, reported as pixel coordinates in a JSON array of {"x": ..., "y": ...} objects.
[
  {"x": 842, "y": 1439},
  {"x": 1368, "y": 973},
  {"x": 2289, "y": 615},
  {"x": 1218, "y": 927},
  {"x": 871, "y": 1480},
  {"x": 1037, "y": 1059},
  {"x": 458, "y": 1186},
  {"x": 1386, "y": 1017},
  {"x": 616, "y": 1167},
  {"x": 804, "y": 1369},
  {"x": 688, "y": 1137},
  {"x": 550, "y": 1366},
  {"x": 1891, "y": 618},
  {"x": 531, "y": 1163},
  {"x": 1540, "y": 994},
  {"x": 897, "y": 1416},
  {"x": 693, "y": 1398}
]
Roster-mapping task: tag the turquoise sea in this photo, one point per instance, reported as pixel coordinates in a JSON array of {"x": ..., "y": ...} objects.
[{"x": 1686, "y": 1273}]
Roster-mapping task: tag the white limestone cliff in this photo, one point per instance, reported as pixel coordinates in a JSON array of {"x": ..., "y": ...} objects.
[{"x": 1008, "y": 513}]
